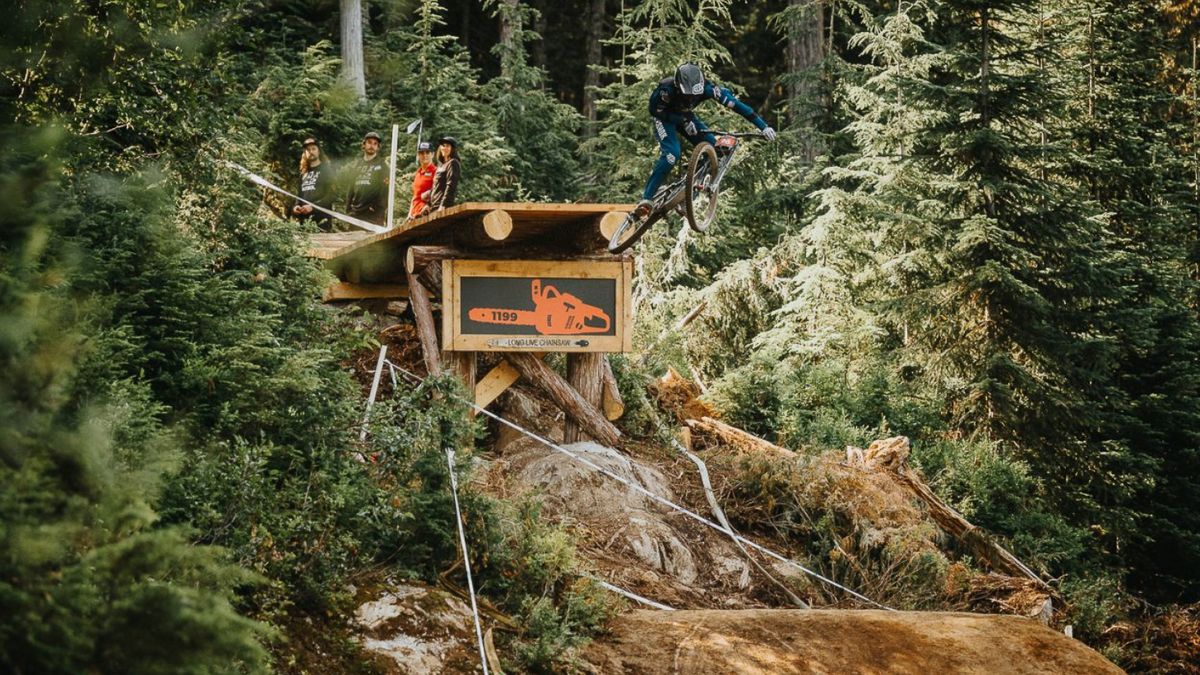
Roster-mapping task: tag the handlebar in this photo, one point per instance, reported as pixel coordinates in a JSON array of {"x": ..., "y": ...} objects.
[{"x": 736, "y": 134}]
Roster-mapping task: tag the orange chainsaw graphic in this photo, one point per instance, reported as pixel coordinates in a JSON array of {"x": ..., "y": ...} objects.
[{"x": 554, "y": 313}]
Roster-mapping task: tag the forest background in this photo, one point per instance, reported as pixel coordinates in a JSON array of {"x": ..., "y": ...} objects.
[{"x": 978, "y": 229}]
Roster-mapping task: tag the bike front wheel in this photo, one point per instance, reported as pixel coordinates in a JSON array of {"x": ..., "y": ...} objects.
[
  {"x": 630, "y": 230},
  {"x": 701, "y": 198}
]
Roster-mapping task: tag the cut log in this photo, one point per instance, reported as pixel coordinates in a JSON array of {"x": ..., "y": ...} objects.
[
  {"x": 431, "y": 276},
  {"x": 497, "y": 224},
  {"x": 585, "y": 372},
  {"x": 596, "y": 235},
  {"x": 489, "y": 229},
  {"x": 565, "y": 397},
  {"x": 426, "y": 330},
  {"x": 609, "y": 222},
  {"x": 348, "y": 291},
  {"x": 417, "y": 257},
  {"x": 612, "y": 403},
  {"x": 738, "y": 438}
]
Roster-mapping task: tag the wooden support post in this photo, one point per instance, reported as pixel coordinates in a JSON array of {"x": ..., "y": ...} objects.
[
  {"x": 463, "y": 364},
  {"x": 497, "y": 380},
  {"x": 426, "y": 331},
  {"x": 564, "y": 396},
  {"x": 612, "y": 403},
  {"x": 585, "y": 372}
]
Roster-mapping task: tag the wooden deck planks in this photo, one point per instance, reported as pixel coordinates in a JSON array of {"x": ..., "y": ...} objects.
[{"x": 528, "y": 220}]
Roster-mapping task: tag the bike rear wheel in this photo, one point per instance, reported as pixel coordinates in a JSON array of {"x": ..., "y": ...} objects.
[{"x": 701, "y": 197}]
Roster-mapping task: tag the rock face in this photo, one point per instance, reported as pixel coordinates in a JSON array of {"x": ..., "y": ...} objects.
[
  {"x": 417, "y": 630},
  {"x": 656, "y": 545},
  {"x": 784, "y": 642}
]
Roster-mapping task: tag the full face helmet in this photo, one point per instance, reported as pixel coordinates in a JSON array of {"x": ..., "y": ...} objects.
[{"x": 689, "y": 80}]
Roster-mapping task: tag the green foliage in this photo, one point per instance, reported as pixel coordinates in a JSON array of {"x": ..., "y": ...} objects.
[
  {"x": 533, "y": 567},
  {"x": 88, "y": 580}
]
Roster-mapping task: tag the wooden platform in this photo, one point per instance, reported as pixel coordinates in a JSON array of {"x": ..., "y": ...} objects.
[{"x": 482, "y": 225}]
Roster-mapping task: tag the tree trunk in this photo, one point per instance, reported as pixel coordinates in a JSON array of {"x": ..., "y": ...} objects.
[
  {"x": 805, "y": 52},
  {"x": 585, "y": 372},
  {"x": 537, "y": 54},
  {"x": 597, "y": 13},
  {"x": 352, "y": 47},
  {"x": 565, "y": 397},
  {"x": 510, "y": 25}
]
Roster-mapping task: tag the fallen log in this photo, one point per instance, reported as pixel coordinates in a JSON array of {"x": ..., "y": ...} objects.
[
  {"x": 565, "y": 397},
  {"x": 891, "y": 455}
]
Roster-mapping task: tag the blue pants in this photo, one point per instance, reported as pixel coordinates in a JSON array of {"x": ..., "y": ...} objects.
[{"x": 668, "y": 142}]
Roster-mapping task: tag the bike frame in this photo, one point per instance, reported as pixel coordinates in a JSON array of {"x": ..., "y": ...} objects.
[{"x": 671, "y": 196}]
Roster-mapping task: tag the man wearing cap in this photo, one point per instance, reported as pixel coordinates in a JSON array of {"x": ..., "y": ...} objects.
[
  {"x": 422, "y": 180},
  {"x": 316, "y": 186},
  {"x": 445, "y": 181},
  {"x": 368, "y": 193}
]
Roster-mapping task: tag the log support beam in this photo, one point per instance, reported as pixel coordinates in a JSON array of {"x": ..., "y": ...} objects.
[
  {"x": 577, "y": 409},
  {"x": 422, "y": 311}
]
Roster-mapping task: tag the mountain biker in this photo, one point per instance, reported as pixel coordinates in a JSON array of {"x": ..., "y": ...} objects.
[{"x": 671, "y": 105}]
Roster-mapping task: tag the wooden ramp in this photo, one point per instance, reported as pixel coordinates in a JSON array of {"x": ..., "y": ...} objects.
[{"x": 582, "y": 228}]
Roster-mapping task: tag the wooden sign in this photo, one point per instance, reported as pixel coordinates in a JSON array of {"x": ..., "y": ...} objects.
[{"x": 536, "y": 305}]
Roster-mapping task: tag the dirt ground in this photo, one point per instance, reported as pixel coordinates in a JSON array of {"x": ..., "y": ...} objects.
[{"x": 782, "y": 642}]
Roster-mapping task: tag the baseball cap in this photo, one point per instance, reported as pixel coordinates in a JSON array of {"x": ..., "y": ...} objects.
[
  {"x": 372, "y": 134},
  {"x": 308, "y": 141},
  {"x": 424, "y": 146},
  {"x": 450, "y": 140}
]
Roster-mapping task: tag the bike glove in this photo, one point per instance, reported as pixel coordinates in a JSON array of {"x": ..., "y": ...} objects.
[
  {"x": 690, "y": 128},
  {"x": 769, "y": 133}
]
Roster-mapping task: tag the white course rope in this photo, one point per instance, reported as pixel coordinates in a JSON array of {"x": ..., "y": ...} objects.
[
  {"x": 259, "y": 180},
  {"x": 631, "y": 595},
  {"x": 462, "y": 539},
  {"x": 653, "y": 497}
]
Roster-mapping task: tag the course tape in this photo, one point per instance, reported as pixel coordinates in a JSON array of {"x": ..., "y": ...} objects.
[
  {"x": 653, "y": 497},
  {"x": 259, "y": 180}
]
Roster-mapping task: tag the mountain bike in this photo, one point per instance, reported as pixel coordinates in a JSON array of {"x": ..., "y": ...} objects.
[{"x": 694, "y": 194}]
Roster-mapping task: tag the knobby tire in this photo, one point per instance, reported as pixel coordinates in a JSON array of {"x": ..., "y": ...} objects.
[{"x": 704, "y": 163}]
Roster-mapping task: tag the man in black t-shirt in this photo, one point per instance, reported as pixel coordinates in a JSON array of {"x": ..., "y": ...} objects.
[
  {"x": 368, "y": 193},
  {"x": 316, "y": 186}
]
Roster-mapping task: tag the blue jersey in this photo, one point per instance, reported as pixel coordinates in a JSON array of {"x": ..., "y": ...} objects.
[{"x": 675, "y": 108}]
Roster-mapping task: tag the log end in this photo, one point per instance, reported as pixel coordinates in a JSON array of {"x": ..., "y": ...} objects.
[
  {"x": 498, "y": 224},
  {"x": 609, "y": 223}
]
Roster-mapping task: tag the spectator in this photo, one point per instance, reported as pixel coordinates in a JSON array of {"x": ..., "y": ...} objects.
[
  {"x": 368, "y": 194},
  {"x": 422, "y": 180},
  {"x": 445, "y": 181},
  {"x": 316, "y": 186}
]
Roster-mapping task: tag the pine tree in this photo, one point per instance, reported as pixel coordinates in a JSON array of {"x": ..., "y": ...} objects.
[{"x": 1139, "y": 175}]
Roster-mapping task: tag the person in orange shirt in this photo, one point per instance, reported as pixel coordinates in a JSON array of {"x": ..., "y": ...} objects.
[{"x": 422, "y": 180}]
